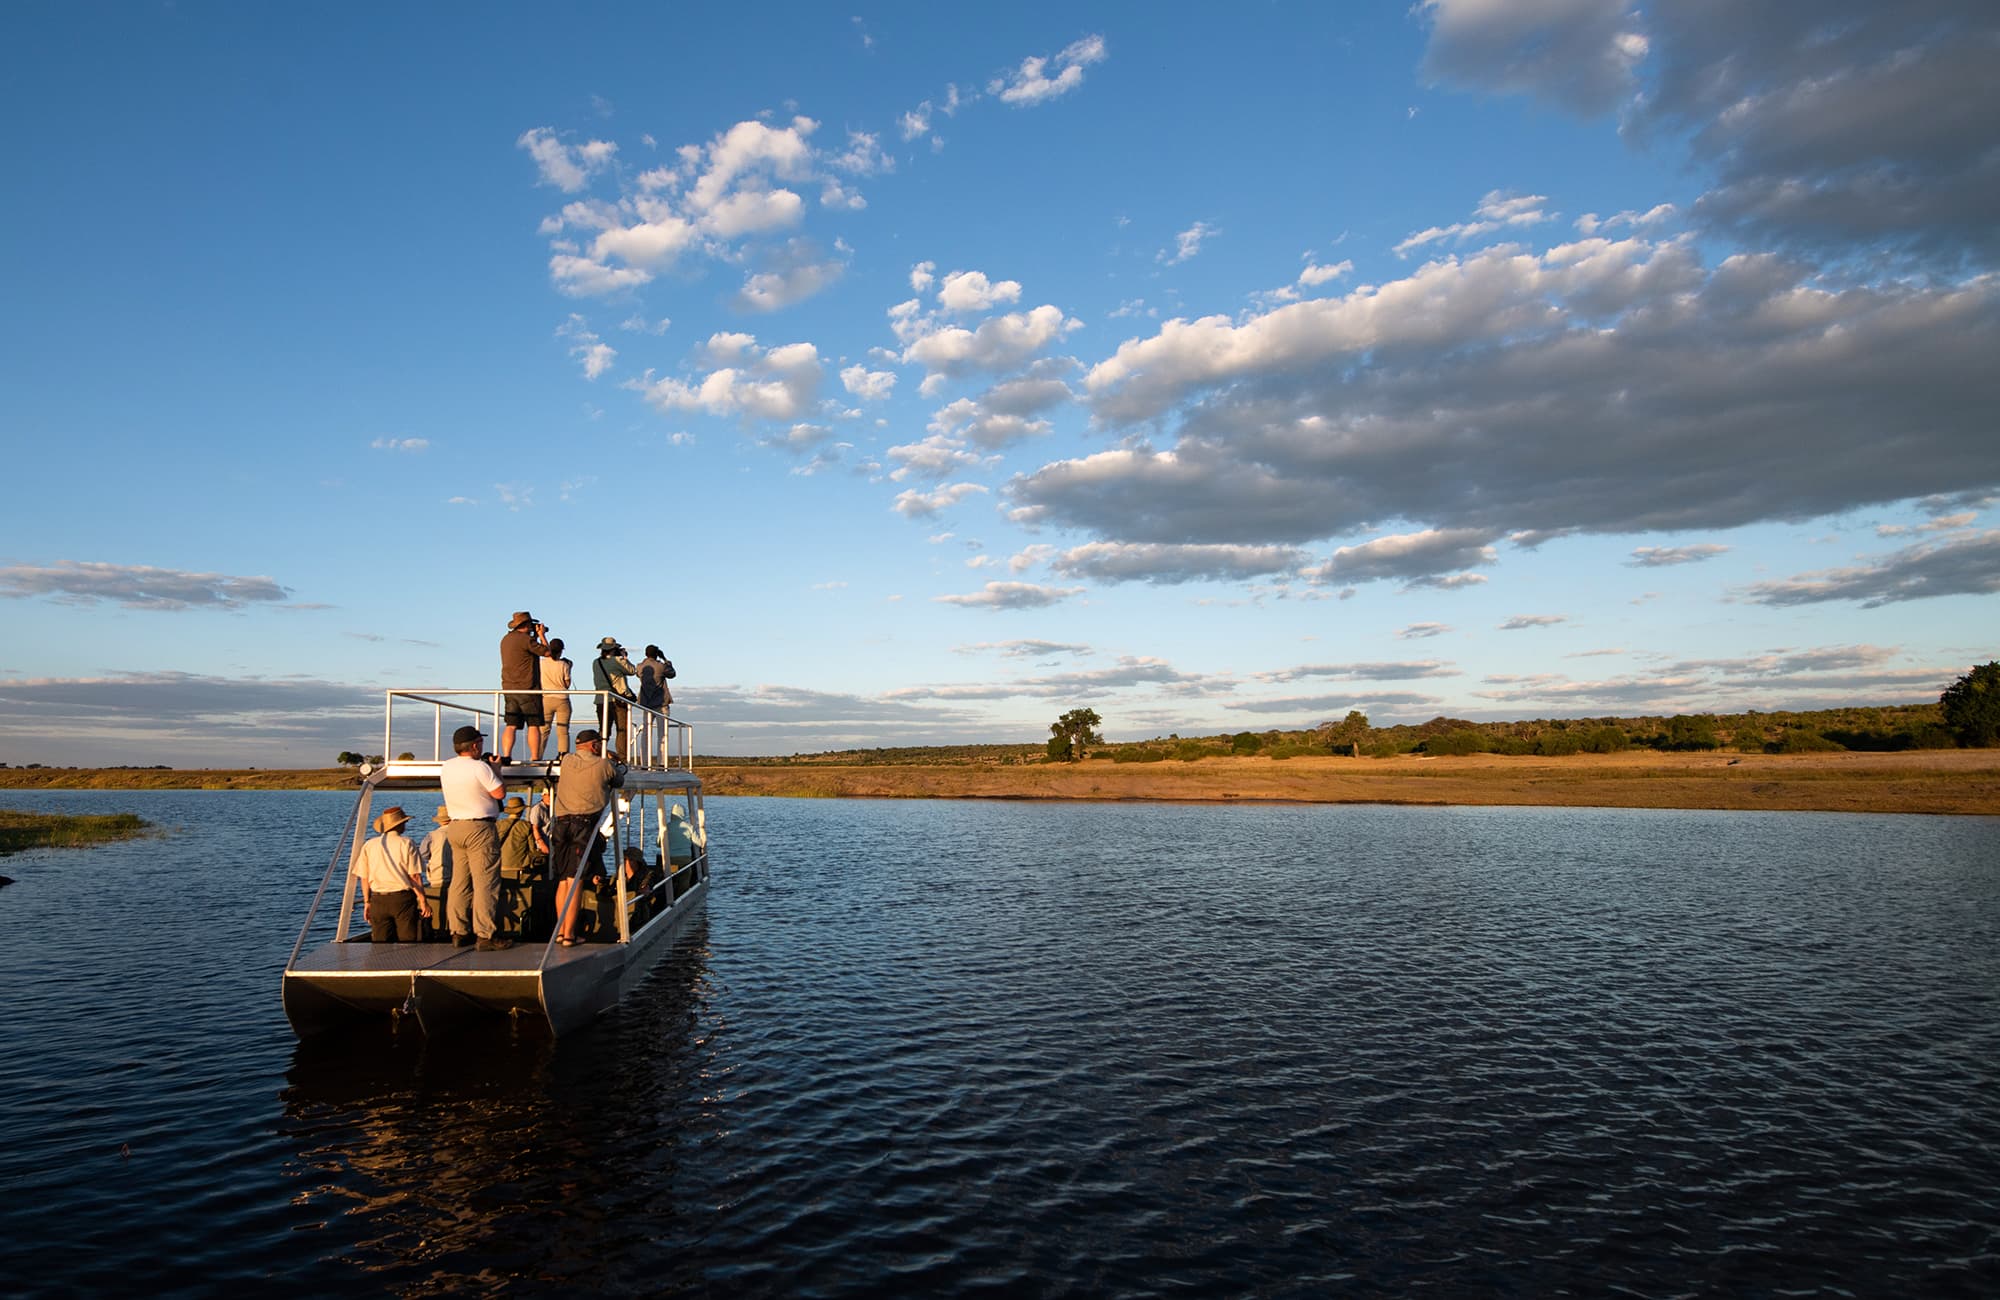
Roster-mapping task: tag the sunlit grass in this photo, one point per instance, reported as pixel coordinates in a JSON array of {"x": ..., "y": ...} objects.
[{"x": 27, "y": 830}]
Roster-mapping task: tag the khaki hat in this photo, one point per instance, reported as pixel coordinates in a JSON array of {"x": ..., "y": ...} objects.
[
  {"x": 608, "y": 643},
  {"x": 516, "y": 803},
  {"x": 389, "y": 819},
  {"x": 520, "y": 616},
  {"x": 443, "y": 814}
]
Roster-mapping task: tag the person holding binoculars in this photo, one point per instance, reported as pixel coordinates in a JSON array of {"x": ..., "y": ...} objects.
[{"x": 525, "y": 643}]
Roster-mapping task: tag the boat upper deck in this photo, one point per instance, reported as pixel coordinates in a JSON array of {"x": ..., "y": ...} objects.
[{"x": 417, "y": 726}]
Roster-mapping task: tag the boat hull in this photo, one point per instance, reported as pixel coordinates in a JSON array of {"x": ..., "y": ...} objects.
[{"x": 446, "y": 989}]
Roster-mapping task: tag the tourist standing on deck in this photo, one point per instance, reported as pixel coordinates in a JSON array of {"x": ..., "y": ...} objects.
[
  {"x": 582, "y": 790},
  {"x": 653, "y": 694},
  {"x": 608, "y": 673},
  {"x": 389, "y": 869},
  {"x": 519, "y": 650},
  {"x": 556, "y": 674},
  {"x": 472, "y": 790},
  {"x": 435, "y": 853}
]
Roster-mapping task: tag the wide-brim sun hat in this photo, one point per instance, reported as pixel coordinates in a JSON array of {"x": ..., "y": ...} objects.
[
  {"x": 389, "y": 819},
  {"x": 515, "y": 803},
  {"x": 520, "y": 616},
  {"x": 608, "y": 643}
]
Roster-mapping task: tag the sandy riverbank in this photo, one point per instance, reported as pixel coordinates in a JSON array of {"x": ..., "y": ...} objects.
[
  {"x": 1920, "y": 781},
  {"x": 1937, "y": 781}
]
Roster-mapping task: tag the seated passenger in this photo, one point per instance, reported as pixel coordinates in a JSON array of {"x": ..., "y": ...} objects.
[
  {"x": 389, "y": 871},
  {"x": 640, "y": 877}
]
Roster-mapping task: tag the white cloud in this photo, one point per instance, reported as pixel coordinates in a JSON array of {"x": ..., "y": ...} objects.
[
  {"x": 921, "y": 277},
  {"x": 1187, "y": 243},
  {"x": 400, "y": 444},
  {"x": 1030, "y": 83},
  {"x": 781, "y": 384},
  {"x": 1521, "y": 622},
  {"x": 1655, "y": 557},
  {"x": 999, "y": 344},
  {"x": 1160, "y": 563},
  {"x": 868, "y": 385},
  {"x": 1315, "y": 274},
  {"x": 965, "y": 292},
  {"x": 1497, "y": 211},
  {"x": 1011, "y": 595},
  {"x": 595, "y": 354},
  {"x": 923, "y": 505},
  {"x": 135, "y": 586},
  {"x": 583, "y": 277},
  {"x": 567, "y": 167}
]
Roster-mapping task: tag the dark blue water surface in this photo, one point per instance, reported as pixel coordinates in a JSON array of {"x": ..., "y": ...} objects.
[{"x": 932, "y": 1048}]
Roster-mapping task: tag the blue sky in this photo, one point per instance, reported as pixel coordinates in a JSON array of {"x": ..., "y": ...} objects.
[{"x": 914, "y": 375}]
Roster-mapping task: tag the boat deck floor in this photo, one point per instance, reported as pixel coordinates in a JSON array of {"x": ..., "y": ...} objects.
[{"x": 376, "y": 959}]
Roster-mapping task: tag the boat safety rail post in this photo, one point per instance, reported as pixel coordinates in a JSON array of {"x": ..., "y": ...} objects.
[
  {"x": 606, "y": 829},
  {"x": 351, "y": 828},
  {"x": 481, "y": 705}
]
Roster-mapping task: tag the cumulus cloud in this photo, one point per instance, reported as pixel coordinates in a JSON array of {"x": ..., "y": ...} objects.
[
  {"x": 968, "y": 292},
  {"x": 1827, "y": 127},
  {"x": 1031, "y": 83},
  {"x": 1023, "y": 649},
  {"x": 1579, "y": 53},
  {"x": 1374, "y": 672},
  {"x": 1315, "y": 275},
  {"x": 923, "y": 505},
  {"x": 1497, "y": 211},
  {"x": 593, "y": 353},
  {"x": 792, "y": 274},
  {"x": 997, "y": 345},
  {"x": 1965, "y": 567},
  {"x": 1600, "y": 386},
  {"x": 1187, "y": 243},
  {"x": 1408, "y": 556},
  {"x": 135, "y": 586},
  {"x": 868, "y": 385},
  {"x": 1656, "y": 557},
  {"x": 567, "y": 167},
  {"x": 1011, "y": 595},
  {"x": 781, "y": 383},
  {"x": 1159, "y": 563}
]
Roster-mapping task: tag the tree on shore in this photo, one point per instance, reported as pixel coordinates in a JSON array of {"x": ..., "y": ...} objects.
[
  {"x": 1971, "y": 707},
  {"x": 1071, "y": 732},
  {"x": 348, "y": 758},
  {"x": 1346, "y": 736}
]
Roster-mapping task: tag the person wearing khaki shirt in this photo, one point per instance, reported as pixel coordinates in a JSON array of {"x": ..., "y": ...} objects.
[{"x": 583, "y": 787}]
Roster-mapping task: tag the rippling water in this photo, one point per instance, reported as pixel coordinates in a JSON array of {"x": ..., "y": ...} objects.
[{"x": 933, "y": 1048}]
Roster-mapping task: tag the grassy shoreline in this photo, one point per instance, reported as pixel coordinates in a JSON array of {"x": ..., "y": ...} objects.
[
  {"x": 1920, "y": 781},
  {"x": 29, "y": 830}
]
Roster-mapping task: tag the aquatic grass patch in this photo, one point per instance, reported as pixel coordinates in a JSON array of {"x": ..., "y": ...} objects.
[{"x": 29, "y": 830}]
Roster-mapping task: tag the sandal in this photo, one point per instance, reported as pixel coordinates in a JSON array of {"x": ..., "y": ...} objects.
[{"x": 565, "y": 941}]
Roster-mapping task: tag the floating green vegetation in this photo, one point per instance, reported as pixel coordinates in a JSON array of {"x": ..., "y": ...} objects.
[{"x": 29, "y": 830}]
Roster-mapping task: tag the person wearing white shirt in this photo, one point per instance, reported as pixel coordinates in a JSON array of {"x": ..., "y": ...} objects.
[
  {"x": 472, "y": 790},
  {"x": 388, "y": 868}
]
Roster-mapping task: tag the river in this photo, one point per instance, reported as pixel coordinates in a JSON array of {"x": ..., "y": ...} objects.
[{"x": 938, "y": 1048}]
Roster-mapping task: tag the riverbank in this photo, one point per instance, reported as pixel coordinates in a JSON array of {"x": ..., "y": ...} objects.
[
  {"x": 1950, "y": 781},
  {"x": 1965, "y": 781},
  {"x": 27, "y": 830}
]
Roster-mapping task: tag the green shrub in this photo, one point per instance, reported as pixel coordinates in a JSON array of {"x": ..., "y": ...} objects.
[
  {"x": 1606, "y": 740},
  {"x": 1803, "y": 740},
  {"x": 1558, "y": 744},
  {"x": 1245, "y": 742},
  {"x": 1295, "y": 749},
  {"x": 1452, "y": 743},
  {"x": 1189, "y": 750},
  {"x": 1691, "y": 731},
  {"x": 1386, "y": 749},
  {"x": 1138, "y": 755}
]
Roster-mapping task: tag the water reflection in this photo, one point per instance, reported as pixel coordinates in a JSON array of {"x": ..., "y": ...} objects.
[{"x": 502, "y": 1154}]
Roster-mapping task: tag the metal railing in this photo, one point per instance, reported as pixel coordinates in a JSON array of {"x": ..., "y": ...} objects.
[{"x": 642, "y": 737}]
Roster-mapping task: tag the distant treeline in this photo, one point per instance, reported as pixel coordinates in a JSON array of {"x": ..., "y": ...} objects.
[{"x": 1883, "y": 729}]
